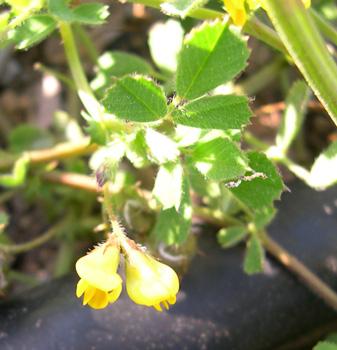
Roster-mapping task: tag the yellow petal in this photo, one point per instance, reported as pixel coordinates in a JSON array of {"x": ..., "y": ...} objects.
[
  {"x": 237, "y": 11},
  {"x": 88, "y": 294},
  {"x": 113, "y": 296},
  {"x": 172, "y": 300},
  {"x": 81, "y": 286},
  {"x": 157, "y": 307},
  {"x": 165, "y": 304},
  {"x": 99, "y": 267},
  {"x": 99, "y": 300},
  {"x": 306, "y": 3}
]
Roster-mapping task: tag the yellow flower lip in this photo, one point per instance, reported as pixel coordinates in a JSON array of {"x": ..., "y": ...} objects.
[
  {"x": 99, "y": 281},
  {"x": 148, "y": 281}
]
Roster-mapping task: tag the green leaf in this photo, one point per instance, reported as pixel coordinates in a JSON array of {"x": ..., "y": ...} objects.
[
  {"x": 17, "y": 177},
  {"x": 220, "y": 159},
  {"x": 264, "y": 217},
  {"x": 32, "y": 30},
  {"x": 93, "y": 13},
  {"x": 168, "y": 186},
  {"x": 254, "y": 258},
  {"x": 97, "y": 132},
  {"x": 215, "y": 112},
  {"x": 212, "y": 55},
  {"x": 172, "y": 226},
  {"x": 260, "y": 193},
  {"x": 136, "y": 99},
  {"x": 324, "y": 345},
  {"x": 181, "y": 8},
  {"x": 296, "y": 105},
  {"x": 323, "y": 172},
  {"x": 165, "y": 42},
  {"x": 60, "y": 9},
  {"x": 228, "y": 237},
  {"x": 162, "y": 148},
  {"x": 27, "y": 137},
  {"x": 136, "y": 151},
  {"x": 117, "y": 64},
  {"x": 24, "y": 5},
  {"x": 4, "y": 19},
  {"x": 186, "y": 136}
]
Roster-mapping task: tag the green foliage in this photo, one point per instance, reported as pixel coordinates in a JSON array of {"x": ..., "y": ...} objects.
[
  {"x": 173, "y": 225},
  {"x": 18, "y": 175},
  {"x": 117, "y": 64},
  {"x": 215, "y": 112},
  {"x": 212, "y": 54},
  {"x": 28, "y": 137},
  {"x": 260, "y": 193},
  {"x": 32, "y": 30},
  {"x": 228, "y": 237},
  {"x": 135, "y": 98},
  {"x": 324, "y": 345},
  {"x": 254, "y": 258},
  {"x": 220, "y": 159}
]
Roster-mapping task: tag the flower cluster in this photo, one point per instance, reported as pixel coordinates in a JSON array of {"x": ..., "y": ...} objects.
[
  {"x": 148, "y": 282},
  {"x": 237, "y": 9}
]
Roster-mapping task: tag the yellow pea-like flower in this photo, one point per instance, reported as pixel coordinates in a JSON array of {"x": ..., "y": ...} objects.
[
  {"x": 149, "y": 282},
  {"x": 99, "y": 281},
  {"x": 237, "y": 9}
]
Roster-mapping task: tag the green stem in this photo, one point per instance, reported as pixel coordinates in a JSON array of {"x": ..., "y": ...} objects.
[
  {"x": 64, "y": 79},
  {"x": 215, "y": 217},
  {"x": 85, "y": 38},
  {"x": 116, "y": 229},
  {"x": 85, "y": 93},
  {"x": 294, "y": 265},
  {"x": 305, "y": 45},
  {"x": 23, "y": 247}
]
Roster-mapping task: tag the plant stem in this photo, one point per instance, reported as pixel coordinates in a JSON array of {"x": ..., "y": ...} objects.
[
  {"x": 116, "y": 229},
  {"x": 64, "y": 79},
  {"x": 304, "y": 43},
  {"x": 300, "y": 270},
  {"x": 23, "y": 247},
  {"x": 85, "y": 93},
  {"x": 59, "y": 152}
]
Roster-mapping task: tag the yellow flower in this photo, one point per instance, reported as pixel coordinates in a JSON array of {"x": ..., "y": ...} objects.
[
  {"x": 237, "y": 9},
  {"x": 99, "y": 281},
  {"x": 149, "y": 282}
]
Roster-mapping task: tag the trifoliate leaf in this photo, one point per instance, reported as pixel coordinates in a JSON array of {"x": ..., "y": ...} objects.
[
  {"x": 212, "y": 55},
  {"x": 230, "y": 236},
  {"x": 215, "y": 112},
  {"x": 32, "y": 30},
  {"x": 165, "y": 42},
  {"x": 254, "y": 259},
  {"x": 136, "y": 99},
  {"x": 172, "y": 226},
  {"x": 168, "y": 186},
  {"x": 220, "y": 159},
  {"x": 296, "y": 105},
  {"x": 162, "y": 148},
  {"x": 323, "y": 172},
  {"x": 260, "y": 193}
]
